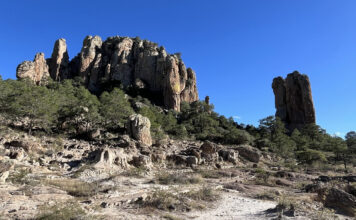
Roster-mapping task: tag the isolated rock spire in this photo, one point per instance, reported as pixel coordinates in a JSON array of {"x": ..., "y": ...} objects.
[
  {"x": 120, "y": 59},
  {"x": 293, "y": 100},
  {"x": 59, "y": 62}
]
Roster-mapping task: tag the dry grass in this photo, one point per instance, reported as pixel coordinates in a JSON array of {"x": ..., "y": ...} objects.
[
  {"x": 183, "y": 178},
  {"x": 168, "y": 201},
  {"x": 138, "y": 172},
  {"x": 68, "y": 210},
  {"x": 268, "y": 195},
  {"x": 171, "y": 217},
  {"x": 216, "y": 174},
  {"x": 73, "y": 187},
  {"x": 204, "y": 194}
]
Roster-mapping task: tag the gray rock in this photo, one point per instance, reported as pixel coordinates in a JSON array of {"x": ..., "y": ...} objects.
[
  {"x": 339, "y": 200},
  {"x": 229, "y": 155},
  {"x": 249, "y": 153},
  {"x": 138, "y": 127}
]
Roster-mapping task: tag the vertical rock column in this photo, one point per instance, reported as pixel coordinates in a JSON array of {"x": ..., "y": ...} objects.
[
  {"x": 59, "y": 62},
  {"x": 294, "y": 101}
]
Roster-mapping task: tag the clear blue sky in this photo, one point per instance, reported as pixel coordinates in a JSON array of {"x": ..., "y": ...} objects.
[{"x": 236, "y": 47}]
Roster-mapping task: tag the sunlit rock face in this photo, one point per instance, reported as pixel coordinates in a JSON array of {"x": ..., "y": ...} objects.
[
  {"x": 124, "y": 60},
  {"x": 35, "y": 70},
  {"x": 293, "y": 100}
]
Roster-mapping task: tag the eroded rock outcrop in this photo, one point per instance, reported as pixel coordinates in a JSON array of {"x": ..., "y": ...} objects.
[
  {"x": 293, "y": 100},
  {"x": 138, "y": 127},
  {"x": 136, "y": 63},
  {"x": 109, "y": 158},
  {"x": 36, "y": 70},
  {"x": 59, "y": 62}
]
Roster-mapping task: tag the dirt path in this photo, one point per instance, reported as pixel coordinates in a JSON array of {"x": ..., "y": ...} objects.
[{"x": 234, "y": 206}]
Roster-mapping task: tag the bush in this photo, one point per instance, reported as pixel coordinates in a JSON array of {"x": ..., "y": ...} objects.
[
  {"x": 115, "y": 109},
  {"x": 310, "y": 156}
]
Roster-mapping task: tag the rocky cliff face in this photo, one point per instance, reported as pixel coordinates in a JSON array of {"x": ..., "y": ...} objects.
[
  {"x": 130, "y": 61},
  {"x": 35, "y": 70},
  {"x": 293, "y": 100}
]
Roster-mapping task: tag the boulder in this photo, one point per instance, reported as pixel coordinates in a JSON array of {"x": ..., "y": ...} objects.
[
  {"x": 125, "y": 142},
  {"x": 109, "y": 158},
  {"x": 249, "y": 153},
  {"x": 138, "y": 127},
  {"x": 191, "y": 161},
  {"x": 141, "y": 161},
  {"x": 209, "y": 151},
  {"x": 293, "y": 100},
  {"x": 209, "y": 148},
  {"x": 339, "y": 200},
  {"x": 229, "y": 155},
  {"x": 36, "y": 70}
]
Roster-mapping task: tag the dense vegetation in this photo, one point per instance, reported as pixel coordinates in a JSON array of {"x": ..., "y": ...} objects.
[{"x": 69, "y": 108}]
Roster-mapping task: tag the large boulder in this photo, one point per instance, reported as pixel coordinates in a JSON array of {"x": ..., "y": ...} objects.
[
  {"x": 133, "y": 62},
  {"x": 339, "y": 200},
  {"x": 110, "y": 158},
  {"x": 229, "y": 155},
  {"x": 36, "y": 70},
  {"x": 138, "y": 127},
  {"x": 209, "y": 148},
  {"x": 293, "y": 100},
  {"x": 249, "y": 153}
]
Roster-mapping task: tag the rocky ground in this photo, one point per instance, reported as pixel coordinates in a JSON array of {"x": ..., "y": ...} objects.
[{"x": 117, "y": 177}]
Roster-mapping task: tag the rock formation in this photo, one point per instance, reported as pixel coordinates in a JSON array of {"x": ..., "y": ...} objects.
[
  {"x": 139, "y": 128},
  {"x": 36, "y": 70},
  {"x": 293, "y": 100},
  {"x": 110, "y": 158},
  {"x": 136, "y": 63},
  {"x": 59, "y": 62}
]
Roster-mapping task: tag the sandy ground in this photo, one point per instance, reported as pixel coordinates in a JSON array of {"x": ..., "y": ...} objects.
[{"x": 234, "y": 206}]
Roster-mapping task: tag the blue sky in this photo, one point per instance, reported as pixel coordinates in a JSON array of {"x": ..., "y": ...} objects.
[{"x": 236, "y": 47}]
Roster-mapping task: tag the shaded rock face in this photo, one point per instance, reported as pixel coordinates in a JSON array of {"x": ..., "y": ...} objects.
[
  {"x": 36, "y": 70},
  {"x": 138, "y": 127},
  {"x": 125, "y": 60},
  {"x": 293, "y": 100}
]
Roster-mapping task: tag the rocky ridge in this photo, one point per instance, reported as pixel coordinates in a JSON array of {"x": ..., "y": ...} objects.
[
  {"x": 293, "y": 100},
  {"x": 132, "y": 62}
]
